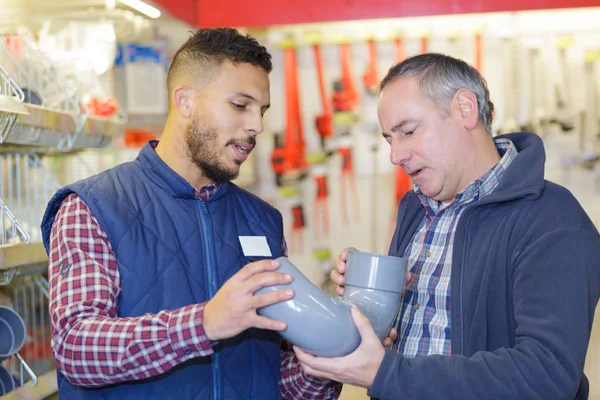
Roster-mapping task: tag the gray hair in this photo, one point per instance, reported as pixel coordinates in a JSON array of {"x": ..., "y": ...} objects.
[{"x": 441, "y": 76}]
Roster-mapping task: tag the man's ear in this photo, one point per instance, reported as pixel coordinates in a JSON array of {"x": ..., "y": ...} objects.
[
  {"x": 183, "y": 98},
  {"x": 467, "y": 107}
]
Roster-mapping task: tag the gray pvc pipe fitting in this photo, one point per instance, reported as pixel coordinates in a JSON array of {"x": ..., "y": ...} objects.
[
  {"x": 374, "y": 283},
  {"x": 322, "y": 325}
]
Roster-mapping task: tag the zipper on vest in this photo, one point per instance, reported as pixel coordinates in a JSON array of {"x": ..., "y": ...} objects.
[{"x": 211, "y": 279}]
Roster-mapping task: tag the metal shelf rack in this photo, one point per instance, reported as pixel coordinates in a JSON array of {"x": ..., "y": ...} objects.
[{"x": 43, "y": 106}]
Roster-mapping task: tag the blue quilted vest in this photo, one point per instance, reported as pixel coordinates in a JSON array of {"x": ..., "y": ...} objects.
[{"x": 173, "y": 250}]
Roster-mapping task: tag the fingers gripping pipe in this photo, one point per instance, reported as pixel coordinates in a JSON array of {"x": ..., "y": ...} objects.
[{"x": 322, "y": 325}]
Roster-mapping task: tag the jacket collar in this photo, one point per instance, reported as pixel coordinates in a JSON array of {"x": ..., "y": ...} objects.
[
  {"x": 170, "y": 181},
  {"x": 525, "y": 176}
]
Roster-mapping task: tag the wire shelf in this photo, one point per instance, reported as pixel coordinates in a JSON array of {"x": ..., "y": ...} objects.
[
  {"x": 27, "y": 186},
  {"x": 28, "y": 296},
  {"x": 41, "y": 106},
  {"x": 40, "y": 81},
  {"x": 30, "y": 300}
]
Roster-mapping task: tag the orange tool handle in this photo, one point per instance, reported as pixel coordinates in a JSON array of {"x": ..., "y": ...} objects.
[
  {"x": 478, "y": 52},
  {"x": 399, "y": 47},
  {"x": 424, "y": 44},
  {"x": 371, "y": 76},
  {"x": 321, "y": 74},
  {"x": 347, "y": 80}
]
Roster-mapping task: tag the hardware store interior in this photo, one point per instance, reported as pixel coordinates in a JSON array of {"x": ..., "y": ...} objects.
[{"x": 83, "y": 88}]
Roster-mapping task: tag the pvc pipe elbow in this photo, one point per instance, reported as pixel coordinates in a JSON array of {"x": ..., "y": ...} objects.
[{"x": 322, "y": 325}]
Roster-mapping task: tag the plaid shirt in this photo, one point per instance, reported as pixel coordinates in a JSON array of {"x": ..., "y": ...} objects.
[
  {"x": 93, "y": 347},
  {"x": 425, "y": 314}
]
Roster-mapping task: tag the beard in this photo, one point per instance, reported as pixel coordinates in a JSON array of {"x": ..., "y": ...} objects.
[{"x": 201, "y": 144}]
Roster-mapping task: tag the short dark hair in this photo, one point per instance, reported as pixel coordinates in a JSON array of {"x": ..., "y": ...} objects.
[
  {"x": 440, "y": 77},
  {"x": 207, "y": 49}
]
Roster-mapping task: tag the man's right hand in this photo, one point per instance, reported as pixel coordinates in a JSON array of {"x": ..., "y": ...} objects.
[{"x": 233, "y": 308}]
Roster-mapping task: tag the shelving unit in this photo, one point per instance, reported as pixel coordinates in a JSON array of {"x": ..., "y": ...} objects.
[
  {"x": 26, "y": 187},
  {"x": 43, "y": 118},
  {"x": 48, "y": 112}
]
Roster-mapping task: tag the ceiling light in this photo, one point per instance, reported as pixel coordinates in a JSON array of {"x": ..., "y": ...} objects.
[{"x": 142, "y": 7}]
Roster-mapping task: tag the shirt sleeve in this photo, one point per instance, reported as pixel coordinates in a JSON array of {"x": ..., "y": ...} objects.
[
  {"x": 294, "y": 384},
  {"x": 91, "y": 344}
]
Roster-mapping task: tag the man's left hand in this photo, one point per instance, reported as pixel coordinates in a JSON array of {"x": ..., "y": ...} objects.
[{"x": 358, "y": 368}]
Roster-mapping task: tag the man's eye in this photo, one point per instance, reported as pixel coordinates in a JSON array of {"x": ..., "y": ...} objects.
[
  {"x": 239, "y": 106},
  {"x": 409, "y": 133}
]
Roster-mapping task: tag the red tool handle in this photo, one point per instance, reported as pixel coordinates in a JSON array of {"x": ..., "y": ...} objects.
[
  {"x": 399, "y": 47},
  {"x": 323, "y": 121},
  {"x": 321, "y": 212},
  {"x": 424, "y": 44},
  {"x": 347, "y": 80},
  {"x": 321, "y": 74},
  {"x": 371, "y": 76},
  {"x": 403, "y": 184},
  {"x": 347, "y": 173},
  {"x": 297, "y": 239},
  {"x": 291, "y": 98},
  {"x": 294, "y": 138},
  {"x": 478, "y": 52}
]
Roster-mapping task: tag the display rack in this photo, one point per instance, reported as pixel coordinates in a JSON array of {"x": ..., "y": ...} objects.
[
  {"x": 27, "y": 186},
  {"x": 46, "y": 109},
  {"x": 53, "y": 116}
]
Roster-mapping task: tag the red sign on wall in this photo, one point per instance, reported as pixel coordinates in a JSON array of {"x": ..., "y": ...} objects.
[{"x": 263, "y": 13}]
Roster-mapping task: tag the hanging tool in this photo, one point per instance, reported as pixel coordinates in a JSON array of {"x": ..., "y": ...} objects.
[
  {"x": 345, "y": 103},
  {"x": 288, "y": 158},
  {"x": 320, "y": 206},
  {"x": 293, "y": 199},
  {"x": 345, "y": 95},
  {"x": 371, "y": 75},
  {"x": 424, "y": 44},
  {"x": 298, "y": 225},
  {"x": 323, "y": 121},
  {"x": 399, "y": 49},
  {"x": 347, "y": 176},
  {"x": 478, "y": 53}
]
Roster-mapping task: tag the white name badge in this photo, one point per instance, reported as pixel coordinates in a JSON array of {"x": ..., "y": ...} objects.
[{"x": 254, "y": 246}]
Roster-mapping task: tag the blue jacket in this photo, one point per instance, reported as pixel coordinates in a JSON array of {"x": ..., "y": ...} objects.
[
  {"x": 525, "y": 282},
  {"x": 172, "y": 251}
]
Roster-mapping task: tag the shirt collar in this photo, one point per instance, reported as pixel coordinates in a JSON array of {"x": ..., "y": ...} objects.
[{"x": 169, "y": 180}]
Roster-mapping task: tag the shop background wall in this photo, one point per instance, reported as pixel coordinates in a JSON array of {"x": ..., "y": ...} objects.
[{"x": 507, "y": 67}]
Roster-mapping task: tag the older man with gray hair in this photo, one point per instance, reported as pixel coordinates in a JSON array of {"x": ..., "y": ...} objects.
[{"x": 505, "y": 266}]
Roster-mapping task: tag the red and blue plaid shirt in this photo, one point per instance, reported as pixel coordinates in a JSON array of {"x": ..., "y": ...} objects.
[{"x": 93, "y": 347}]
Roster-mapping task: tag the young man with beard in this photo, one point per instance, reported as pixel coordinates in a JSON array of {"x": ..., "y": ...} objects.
[{"x": 151, "y": 282}]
